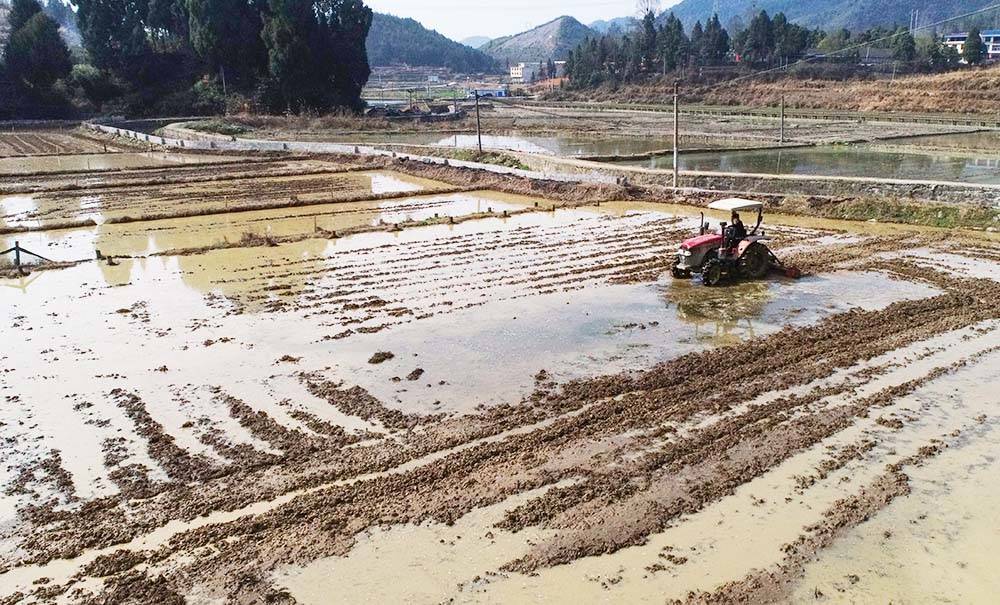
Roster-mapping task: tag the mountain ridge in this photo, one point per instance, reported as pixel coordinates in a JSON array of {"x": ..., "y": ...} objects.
[
  {"x": 855, "y": 15},
  {"x": 399, "y": 40},
  {"x": 551, "y": 40}
]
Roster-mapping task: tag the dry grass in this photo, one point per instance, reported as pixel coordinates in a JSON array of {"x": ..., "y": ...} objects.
[
  {"x": 342, "y": 122},
  {"x": 968, "y": 90}
]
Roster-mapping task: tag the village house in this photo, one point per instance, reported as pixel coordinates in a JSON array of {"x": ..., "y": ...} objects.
[{"x": 991, "y": 37}]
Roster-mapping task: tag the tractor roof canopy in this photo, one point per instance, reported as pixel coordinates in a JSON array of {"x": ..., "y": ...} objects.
[{"x": 735, "y": 204}]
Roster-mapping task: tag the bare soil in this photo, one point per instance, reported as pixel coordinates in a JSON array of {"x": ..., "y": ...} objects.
[{"x": 208, "y": 467}]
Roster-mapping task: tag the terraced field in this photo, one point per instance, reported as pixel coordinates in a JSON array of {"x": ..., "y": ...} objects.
[
  {"x": 495, "y": 402},
  {"x": 49, "y": 143}
]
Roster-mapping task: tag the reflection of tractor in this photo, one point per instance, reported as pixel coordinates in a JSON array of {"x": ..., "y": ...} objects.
[{"x": 733, "y": 252}]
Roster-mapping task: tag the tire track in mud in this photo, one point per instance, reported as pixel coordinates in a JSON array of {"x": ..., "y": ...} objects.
[
  {"x": 584, "y": 412},
  {"x": 389, "y": 285}
]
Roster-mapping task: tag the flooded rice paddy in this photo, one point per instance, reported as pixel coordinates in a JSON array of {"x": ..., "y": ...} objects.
[
  {"x": 562, "y": 145},
  {"x": 844, "y": 160},
  {"x": 503, "y": 409},
  {"x": 15, "y": 165}
]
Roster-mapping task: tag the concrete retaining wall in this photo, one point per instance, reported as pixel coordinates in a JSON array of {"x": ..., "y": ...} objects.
[{"x": 830, "y": 186}]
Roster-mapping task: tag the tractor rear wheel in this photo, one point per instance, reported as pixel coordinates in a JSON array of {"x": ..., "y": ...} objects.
[
  {"x": 711, "y": 275},
  {"x": 755, "y": 261}
]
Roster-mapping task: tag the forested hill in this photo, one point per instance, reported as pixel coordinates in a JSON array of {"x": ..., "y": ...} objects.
[
  {"x": 854, "y": 15},
  {"x": 393, "y": 41}
]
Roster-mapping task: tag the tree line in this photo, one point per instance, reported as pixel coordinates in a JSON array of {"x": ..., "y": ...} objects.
[
  {"x": 660, "y": 46},
  {"x": 179, "y": 56}
]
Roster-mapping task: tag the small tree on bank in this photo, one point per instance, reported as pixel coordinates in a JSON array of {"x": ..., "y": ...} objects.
[{"x": 974, "y": 51}]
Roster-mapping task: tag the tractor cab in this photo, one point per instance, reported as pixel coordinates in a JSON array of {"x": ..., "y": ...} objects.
[
  {"x": 736, "y": 240},
  {"x": 733, "y": 251}
]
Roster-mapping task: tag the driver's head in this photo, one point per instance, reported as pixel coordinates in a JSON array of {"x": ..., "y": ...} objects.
[{"x": 736, "y": 216}]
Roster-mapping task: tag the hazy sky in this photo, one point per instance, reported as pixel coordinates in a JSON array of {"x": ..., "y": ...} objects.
[{"x": 460, "y": 19}]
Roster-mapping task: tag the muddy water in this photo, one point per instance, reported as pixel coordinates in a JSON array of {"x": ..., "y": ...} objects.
[
  {"x": 841, "y": 160},
  {"x": 563, "y": 145},
  {"x": 132, "y": 239},
  {"x": 972, "y": 141},
  {"x": 479, "y": 308},
  {"x": 101, "y": 205},
  {"x": 99, "y": 161},
  {"x": 739, "y": 533},
  {"x": 938, "y": 543},
  {"x": 490, "y": 354}
]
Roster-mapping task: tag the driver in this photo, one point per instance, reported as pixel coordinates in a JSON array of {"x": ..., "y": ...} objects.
[{"x": 736, "y": 232}]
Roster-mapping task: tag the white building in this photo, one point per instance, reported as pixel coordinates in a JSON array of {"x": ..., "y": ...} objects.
[
  {"x": 991, "y": 37},
  {"x": 523, "y": 73},
  {"x": 526, "y": 73}
]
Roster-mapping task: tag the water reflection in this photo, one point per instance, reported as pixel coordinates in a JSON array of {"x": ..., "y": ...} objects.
[
  {"x": 724, "y": 315},
  {"x": 839, "y": 160},
  {"x": 563, "y": 145}
]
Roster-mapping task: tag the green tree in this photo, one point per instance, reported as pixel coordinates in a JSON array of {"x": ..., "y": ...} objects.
[
  {"x": 674, "y": 44},
  {"x": 904, "y": 47},
  {"x": 696, "y": 53},
  {"x": 716, "y": 44},
  {"x": 835, "y": 41},
  {"x": 114, "y": 35},
  {"x": 646, "y": 43},
  {"x": 974, "y": 50},
  {"x": 290, "y": 30},
  {"x": 758, "y": 42},
  {"x": 167, "y": 21},
  {"x": 790, "y": 40},
  {"x": 97, "y": 86},
  {"x": 20, "y": 12},
  {"x": 227, "y": 35},
  {"x": 36, "y": 56},
  {"x": 343, "y": 28},
  {"x": 942, "y": 57}
]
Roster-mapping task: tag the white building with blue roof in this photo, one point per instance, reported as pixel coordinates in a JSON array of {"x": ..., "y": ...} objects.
[{"x": 991, "y": 37}]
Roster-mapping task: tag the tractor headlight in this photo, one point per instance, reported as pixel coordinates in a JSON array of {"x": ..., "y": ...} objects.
[{"x": 683, "y": 252}]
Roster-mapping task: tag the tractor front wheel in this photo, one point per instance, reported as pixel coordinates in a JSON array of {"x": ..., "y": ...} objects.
[
  {"x": 679, "y": 273},
  {"x": 711, "y": 275}
]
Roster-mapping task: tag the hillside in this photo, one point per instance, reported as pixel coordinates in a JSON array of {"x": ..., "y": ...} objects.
[
  {"x": 552, "y": 40},
  {"x": 621, "y": 25},
  {"x": 476, "y": 41},
  {"x": 829, "y": 14},
  {"x": 394, "y": 41}
]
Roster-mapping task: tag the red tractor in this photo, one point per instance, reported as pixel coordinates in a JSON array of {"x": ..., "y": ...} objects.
[{"x": 731, "y": 253}]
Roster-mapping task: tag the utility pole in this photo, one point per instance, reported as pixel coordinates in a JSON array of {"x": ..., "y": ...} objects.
[
  {"x": 225, "y": 95},
  {"x": 676, "y": 131},
  {"x": 479, "y": 125},
  {"x": 781, "y": 138}
]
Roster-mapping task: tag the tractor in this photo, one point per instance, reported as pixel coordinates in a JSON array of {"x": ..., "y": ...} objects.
[{"x": 726, "y": 255}]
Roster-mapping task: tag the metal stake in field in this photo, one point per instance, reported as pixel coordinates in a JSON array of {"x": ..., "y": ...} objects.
[
  {"x": 17, "y": 250},
  {"x": 479, "y": 125},
  {"x": 676, "y": 132},
  {"x": 781, "y": 136}
]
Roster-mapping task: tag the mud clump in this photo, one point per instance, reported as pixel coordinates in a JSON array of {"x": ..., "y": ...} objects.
[
  {"x": 380, "y": 357},
  {"x": 115, "y": 563},
  {"x": 415, "y": 374}
]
